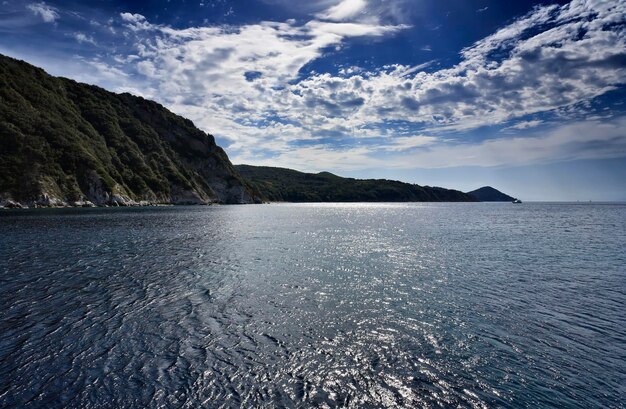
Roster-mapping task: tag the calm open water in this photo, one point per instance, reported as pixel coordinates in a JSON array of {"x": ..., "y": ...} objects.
[{"x": 314, "y": 305}]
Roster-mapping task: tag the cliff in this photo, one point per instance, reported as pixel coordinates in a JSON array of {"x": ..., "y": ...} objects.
[{"x": 67, "y": 143}]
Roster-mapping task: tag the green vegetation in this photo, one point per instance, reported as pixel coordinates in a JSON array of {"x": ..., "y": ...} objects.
[
  {"x": 63, "y": 142},
  {"x": 279, "y": 184},
  {"x": 74, "y": 141},
  {"x": 489, "y": 194}
]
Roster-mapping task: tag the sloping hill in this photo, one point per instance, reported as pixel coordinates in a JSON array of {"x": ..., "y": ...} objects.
[
  {"x": 66, "y": 142},
  {"x": 489, "y": 194},
  {"x": 280, "y": 184}
]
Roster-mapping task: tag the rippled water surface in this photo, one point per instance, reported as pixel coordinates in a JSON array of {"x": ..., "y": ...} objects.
[{"x": 325, "y": 305}]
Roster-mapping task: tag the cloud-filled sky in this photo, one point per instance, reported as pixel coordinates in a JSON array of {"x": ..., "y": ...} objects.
[{"x": 525, "y": 96}]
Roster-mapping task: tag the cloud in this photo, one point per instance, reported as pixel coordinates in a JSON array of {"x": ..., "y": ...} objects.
[
  {"x": 211, "y": 66},
  {"x": 404, "y": 143},
  {"x": 579, "y": 140},
  {"x": 247, "y": 84},
  {"x": 539, "y": 63},
  {"x": 136, "y": 22},
  {"x": 525, "y": 124},
  {"x": 83, "y": 38},
  {"x": 344, "y": 30},
  {"x": 132, "y": 17},
  {"x": 344, "y": 10},
  {"x": 92, "y": 70},
  {"x": 48, "y": 14}
]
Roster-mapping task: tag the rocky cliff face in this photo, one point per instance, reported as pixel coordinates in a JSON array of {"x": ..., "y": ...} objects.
[{"x": 66, "y": 143}]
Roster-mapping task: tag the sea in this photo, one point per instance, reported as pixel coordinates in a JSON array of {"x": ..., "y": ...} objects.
[{"x": 355, "y": 305}]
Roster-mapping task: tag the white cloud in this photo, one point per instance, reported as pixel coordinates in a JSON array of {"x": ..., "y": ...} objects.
[
  {"x": 84, "y": 38},
  {"x": 48, "y": 14},
  {"x": 318, "y": 158},
  {"x": 103, "y": 73},
  {"x": 404, "y": 143},
  {"x": 344, "y": 10},
  {"x": 580, "y": 140},
  {"x": 573, "y": 62},
  {"x": 343, "y": 30},
  {"x": 132, "y": 17},
  {"x": 525, "y": 124},
  {"x": 245, "y": 84},
  {"x": 136, "y": 22}
]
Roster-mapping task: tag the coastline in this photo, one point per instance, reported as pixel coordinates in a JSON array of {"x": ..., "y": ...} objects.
[
  {"x": 20, "y": 205},
  {"x": 9, "y": 204}
]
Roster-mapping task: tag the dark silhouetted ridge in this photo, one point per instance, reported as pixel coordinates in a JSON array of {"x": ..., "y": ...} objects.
[
  {"x": 489, "y": 194},
  {"x": 287, "y": 185}
]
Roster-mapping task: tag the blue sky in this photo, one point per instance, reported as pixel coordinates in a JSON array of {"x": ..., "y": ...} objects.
[{"x": 526, "y": 96}]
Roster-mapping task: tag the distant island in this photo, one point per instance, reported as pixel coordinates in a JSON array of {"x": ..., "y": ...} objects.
[
  {"x": 489, "y": 194},
  {"x": 64, "y": 143}
]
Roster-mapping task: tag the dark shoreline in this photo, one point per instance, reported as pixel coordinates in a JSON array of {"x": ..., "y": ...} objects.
[{"x": 22, "y": 206}]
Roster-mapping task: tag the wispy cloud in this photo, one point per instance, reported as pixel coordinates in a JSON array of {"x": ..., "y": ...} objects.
[
  {"x": 525, "y": 124},
  {"x": 47, "y": 13},
  {"x": 84, "y": 38},
  {"x": 579, "y": 140},
  {"x": 404, "y": 143},
  {"x": 344, "y": 10}
]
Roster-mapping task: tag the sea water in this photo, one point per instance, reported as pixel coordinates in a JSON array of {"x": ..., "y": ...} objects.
[{"x": 314, "y": 305}]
